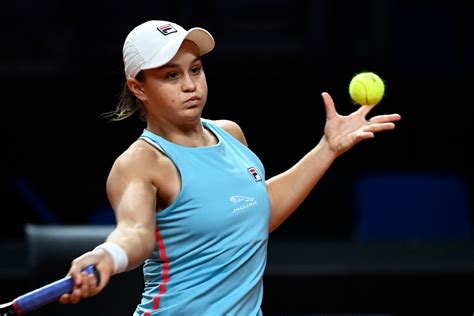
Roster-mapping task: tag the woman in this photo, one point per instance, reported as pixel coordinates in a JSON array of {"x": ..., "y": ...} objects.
[{"x": 190, "y": 198}]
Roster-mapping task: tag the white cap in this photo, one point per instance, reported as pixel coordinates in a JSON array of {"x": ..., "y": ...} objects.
[{"x": 154, "y": 43}]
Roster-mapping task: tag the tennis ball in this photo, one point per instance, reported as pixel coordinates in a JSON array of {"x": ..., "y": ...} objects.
[{"x": 366, "y": 88}]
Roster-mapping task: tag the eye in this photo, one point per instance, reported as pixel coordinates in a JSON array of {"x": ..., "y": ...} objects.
[
  {"x": 172, "y": 75},
  {"x": 196, "y": 70}
]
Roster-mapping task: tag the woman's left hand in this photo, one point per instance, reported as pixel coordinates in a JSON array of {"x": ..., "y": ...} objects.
[{"x": 343, "y": 132}]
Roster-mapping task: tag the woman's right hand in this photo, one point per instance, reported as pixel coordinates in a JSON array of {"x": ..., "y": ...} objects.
[{"x": 86, "y": 285}]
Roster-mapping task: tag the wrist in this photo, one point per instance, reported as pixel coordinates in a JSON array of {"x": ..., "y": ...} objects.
[
  {"x": 325, "y": 148},
  {"x": 118, "y": 255}
]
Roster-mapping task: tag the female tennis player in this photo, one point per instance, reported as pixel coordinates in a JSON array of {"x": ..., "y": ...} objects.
[{"x": 191, "y": 200}]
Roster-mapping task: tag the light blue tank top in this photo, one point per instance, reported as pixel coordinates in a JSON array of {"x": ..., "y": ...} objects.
[{"x": 211, "y": 245}]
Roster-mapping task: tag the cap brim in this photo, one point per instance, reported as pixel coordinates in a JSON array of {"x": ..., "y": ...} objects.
[{"x": 202, "y": 38}]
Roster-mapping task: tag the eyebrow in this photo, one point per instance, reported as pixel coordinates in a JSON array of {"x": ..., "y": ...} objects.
[{"x": 172, "y": 65}]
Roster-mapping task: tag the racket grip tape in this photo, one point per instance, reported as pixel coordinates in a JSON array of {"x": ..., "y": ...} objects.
[{"x": 49, "y": 293}]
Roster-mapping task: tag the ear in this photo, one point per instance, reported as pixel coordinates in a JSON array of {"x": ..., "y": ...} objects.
[{"x": 136, "y": 88}]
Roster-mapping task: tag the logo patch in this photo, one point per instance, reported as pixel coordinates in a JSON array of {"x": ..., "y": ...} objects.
[
  {"x": 254, "y": 173},
  {"x": 240, "y": 198},
  {"x": 242, "y": 202},
  {"x": 166, "y": 29}
]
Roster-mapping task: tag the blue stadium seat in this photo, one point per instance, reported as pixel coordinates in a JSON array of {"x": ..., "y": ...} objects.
[{"x": 409, "y": 205}]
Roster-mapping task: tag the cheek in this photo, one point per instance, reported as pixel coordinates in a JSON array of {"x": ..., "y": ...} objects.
[
  {"x": 166, "y": 96},
  {"x": 170, "y": 98},
  {"x": 203, "y": 87}
]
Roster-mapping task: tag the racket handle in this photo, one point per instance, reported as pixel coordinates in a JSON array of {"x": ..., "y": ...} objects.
[{"x": 49, "y": 293}]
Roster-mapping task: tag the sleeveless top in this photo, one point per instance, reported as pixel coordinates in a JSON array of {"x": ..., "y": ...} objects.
[{"x": 211, "y": 247}]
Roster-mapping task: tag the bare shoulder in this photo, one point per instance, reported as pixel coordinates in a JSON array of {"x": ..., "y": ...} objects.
[
  {"x": 135, "y": 157},
  {"x": 141, "y": 169},
  {"x": 232, "y": 128},
  {"x": 135, "y": 164}
]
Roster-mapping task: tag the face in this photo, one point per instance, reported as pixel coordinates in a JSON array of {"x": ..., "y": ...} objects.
[{"x": 177, "y": 91}]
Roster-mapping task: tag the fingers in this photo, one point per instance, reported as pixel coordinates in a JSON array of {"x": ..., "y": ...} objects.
[
  {"x": 382, "y": 123},
  {"x": 76, "y": 270},
  {"x": 329, "y": 105},
  {"x": 379, "y": 127},
  {"x": 365, "y": 109},
  {"x": 65, "y": 298},
  {"x": 85, "y": 283},
  {"x": 385, "y": 118},
  {"x": 86, "y": 288}
]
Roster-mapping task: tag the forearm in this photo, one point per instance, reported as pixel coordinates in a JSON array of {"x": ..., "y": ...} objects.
[
  {"x": 289, "y": 189},
  {"x": 136, "y": 240}
]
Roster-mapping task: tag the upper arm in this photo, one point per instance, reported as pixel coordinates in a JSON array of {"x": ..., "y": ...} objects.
[
  {"x": 132, "y": 195},
  {"x": 234, "y": 129}
]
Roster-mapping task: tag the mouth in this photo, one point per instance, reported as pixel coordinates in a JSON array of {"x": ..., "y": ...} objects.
[{"x": 193, "y": 101}]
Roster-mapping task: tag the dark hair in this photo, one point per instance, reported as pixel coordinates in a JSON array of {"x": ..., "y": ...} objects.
[{"x": 128, "y": 104}]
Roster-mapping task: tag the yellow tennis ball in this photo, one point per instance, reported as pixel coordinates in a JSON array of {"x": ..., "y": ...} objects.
[{"x": 366, "y": 88}]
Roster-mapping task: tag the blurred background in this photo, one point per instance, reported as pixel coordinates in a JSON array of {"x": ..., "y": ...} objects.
[{"x": 389, "y": 224}]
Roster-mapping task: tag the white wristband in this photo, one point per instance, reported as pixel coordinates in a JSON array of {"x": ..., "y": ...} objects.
[{"x": 119, "y": 255}]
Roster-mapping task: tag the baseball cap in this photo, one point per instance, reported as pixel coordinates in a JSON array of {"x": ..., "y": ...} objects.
[{"x": 154, "y": 43}]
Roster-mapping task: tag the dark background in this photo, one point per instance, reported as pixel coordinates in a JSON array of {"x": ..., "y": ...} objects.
[{"x": 61, "y": 67}]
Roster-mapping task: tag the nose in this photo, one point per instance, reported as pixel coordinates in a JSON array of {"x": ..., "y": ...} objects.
[{"x": 189, "y": 83}]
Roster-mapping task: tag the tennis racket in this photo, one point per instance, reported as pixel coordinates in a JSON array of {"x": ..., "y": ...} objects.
[{"x": 43, "y": 295}]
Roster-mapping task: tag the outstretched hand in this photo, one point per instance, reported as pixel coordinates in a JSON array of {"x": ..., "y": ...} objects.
[{"x": 343, "y": 132}]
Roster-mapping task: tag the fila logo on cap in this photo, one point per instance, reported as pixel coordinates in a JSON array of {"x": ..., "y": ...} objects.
[
  {"x": 254, "y": 173},
  {"x": 166, "y": 29}
]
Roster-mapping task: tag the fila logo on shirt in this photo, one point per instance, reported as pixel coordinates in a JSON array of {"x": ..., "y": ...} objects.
[
  {"x": 254, "y": 173},
  {"x": 166, "y": 29}
]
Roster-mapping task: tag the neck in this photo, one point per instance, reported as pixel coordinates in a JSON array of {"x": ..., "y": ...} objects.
[{"x": 191, "y": 136}]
